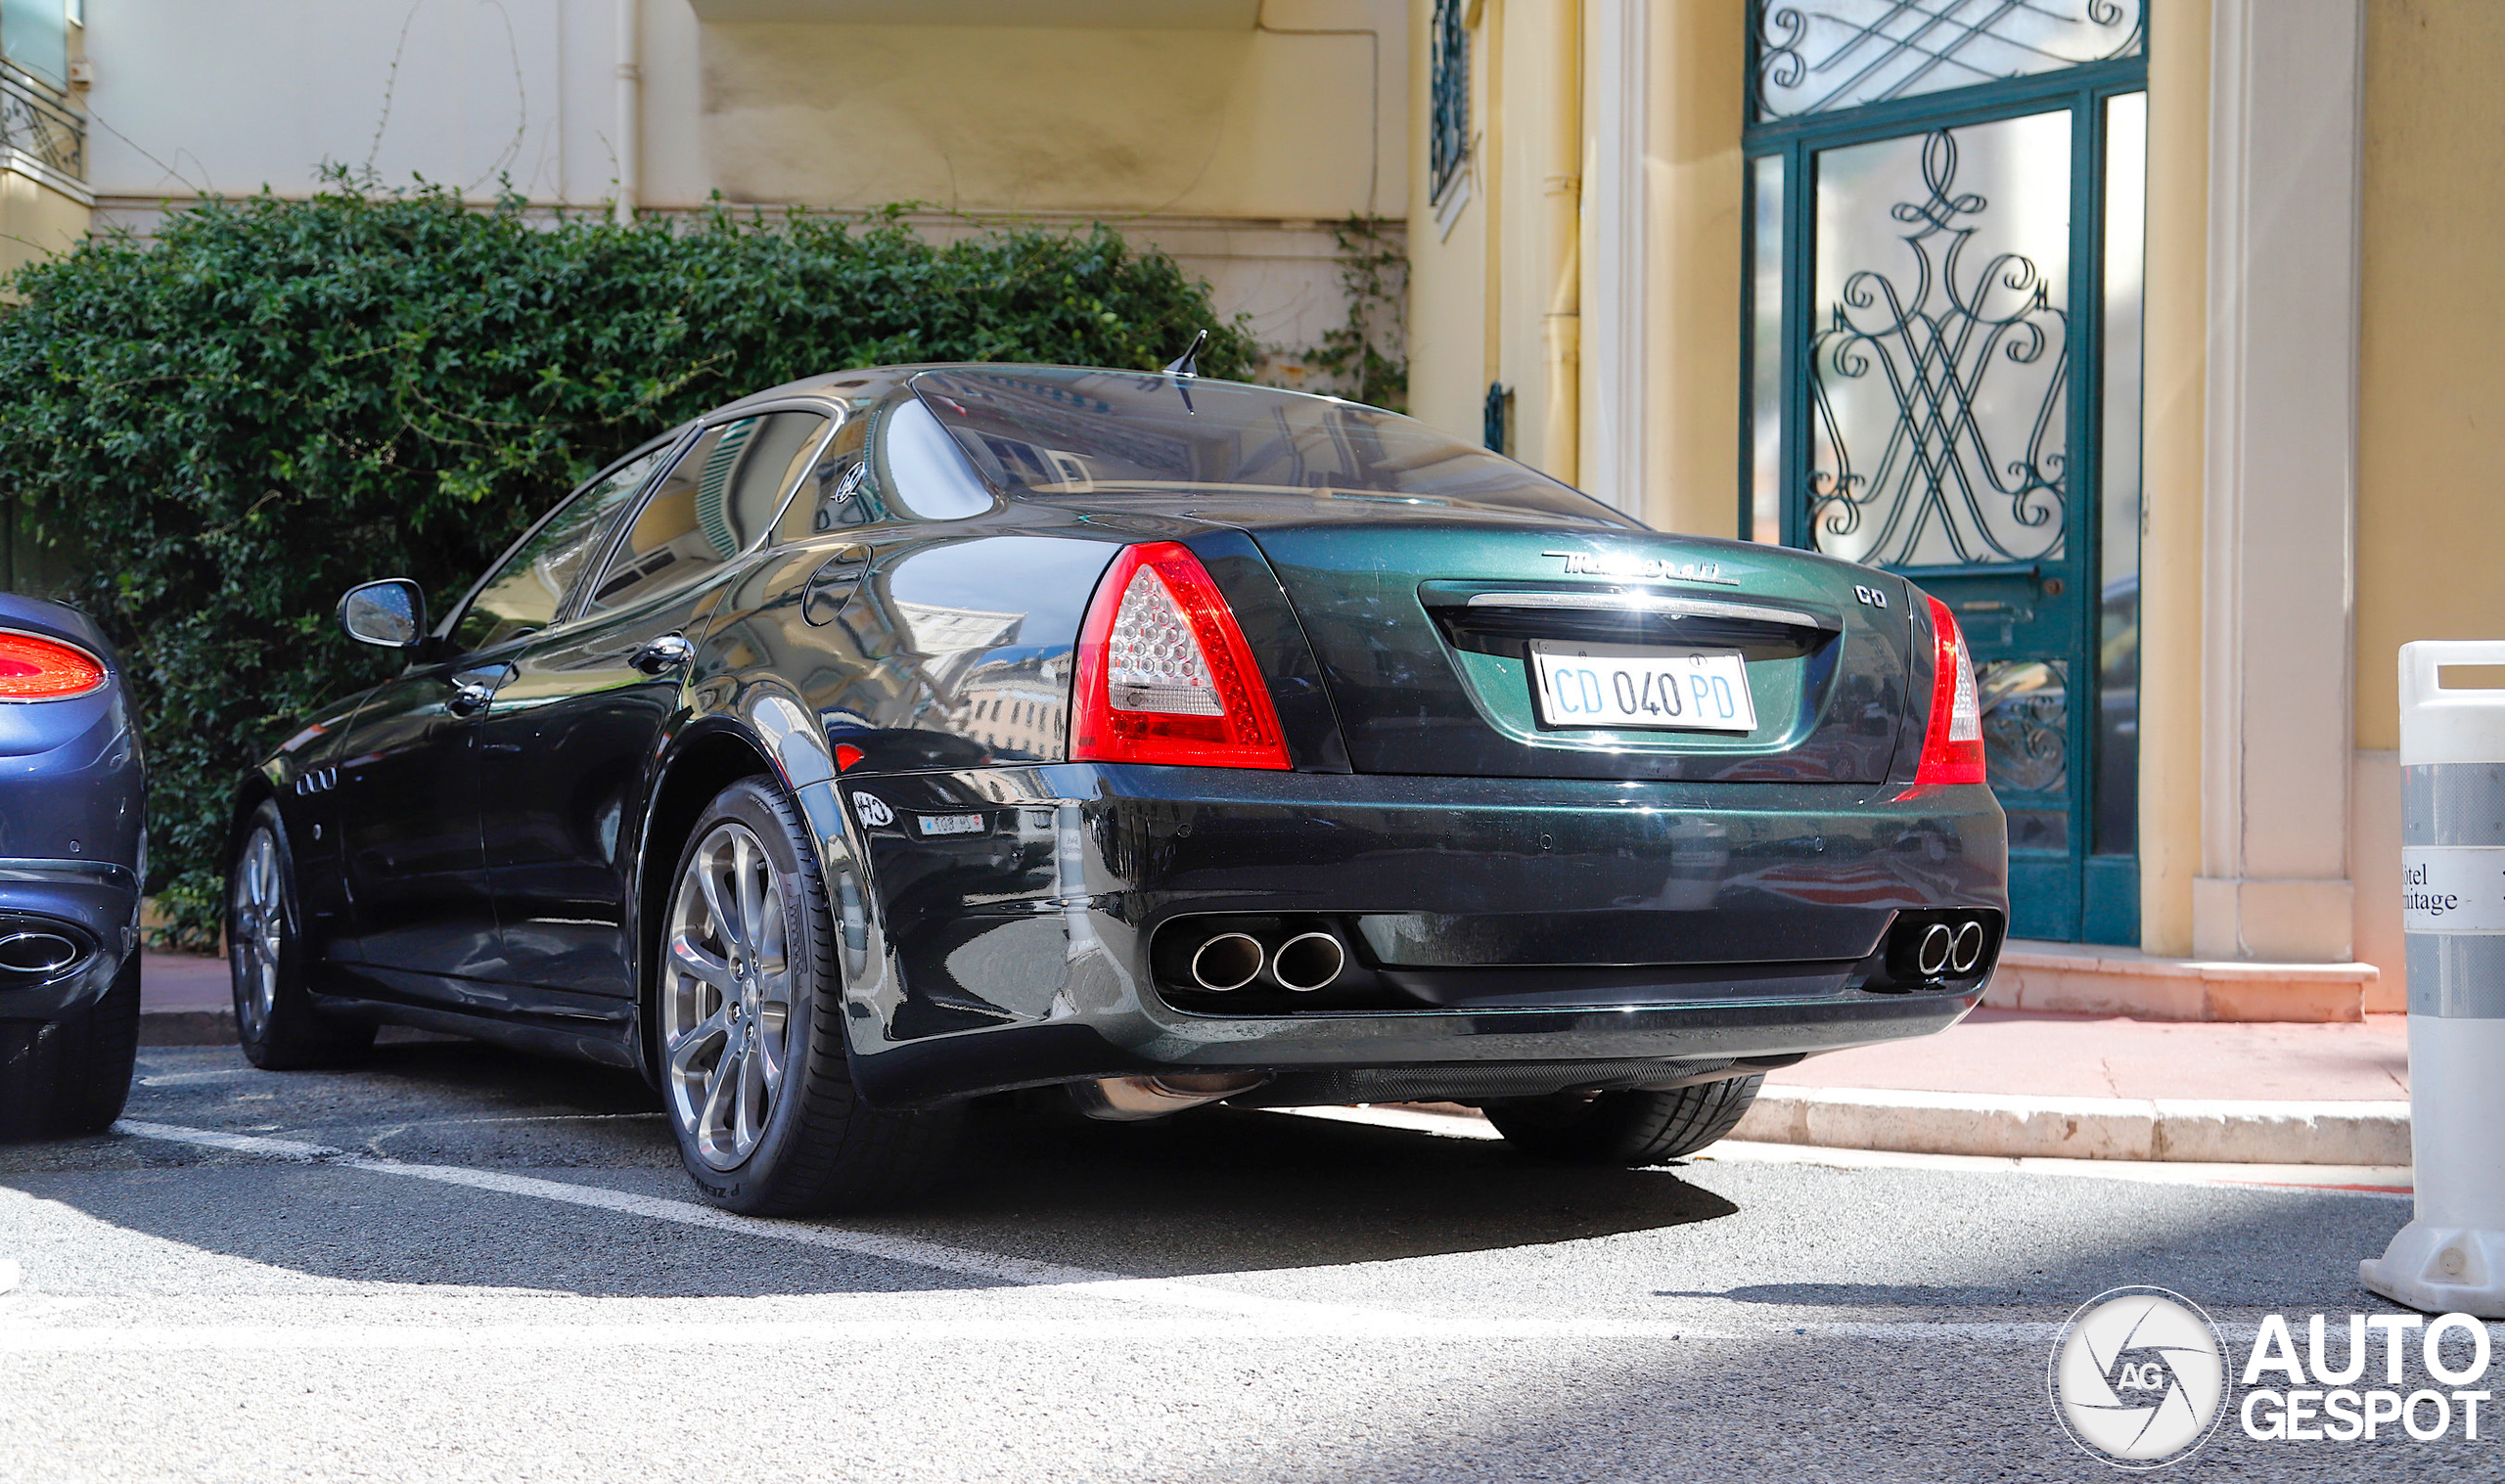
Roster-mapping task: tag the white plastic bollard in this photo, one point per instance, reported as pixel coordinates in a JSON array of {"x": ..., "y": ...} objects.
[{"x": 2451, "y": 1257}]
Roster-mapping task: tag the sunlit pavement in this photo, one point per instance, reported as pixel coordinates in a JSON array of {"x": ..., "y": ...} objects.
[{"x": 456, "y": 1263}]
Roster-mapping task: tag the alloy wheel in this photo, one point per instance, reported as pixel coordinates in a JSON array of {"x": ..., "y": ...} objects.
[
  {"x": 726, "y": 996},
  {"x": 258, "y": 932}
]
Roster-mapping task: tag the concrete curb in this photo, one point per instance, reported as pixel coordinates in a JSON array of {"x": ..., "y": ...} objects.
[
  {"x": 187, "y": 1027},
  {"x": 2200, "y": 1131}
]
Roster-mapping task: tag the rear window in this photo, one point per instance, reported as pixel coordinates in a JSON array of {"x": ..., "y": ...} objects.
[{"x": 1065, "y": 432}]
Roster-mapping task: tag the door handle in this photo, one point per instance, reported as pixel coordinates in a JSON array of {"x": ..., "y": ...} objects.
[
  {"x": 468, "y": 698},
  {"x": 663, "y": 655}
]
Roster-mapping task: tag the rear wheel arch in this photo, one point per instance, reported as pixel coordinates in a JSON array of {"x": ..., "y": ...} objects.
[
  {"x": 704, "y": 762},
  {"x": 253, "y": 791}
]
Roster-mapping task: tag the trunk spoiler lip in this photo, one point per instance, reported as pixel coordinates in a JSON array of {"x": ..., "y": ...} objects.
[{"x": 1657, "y": 602}]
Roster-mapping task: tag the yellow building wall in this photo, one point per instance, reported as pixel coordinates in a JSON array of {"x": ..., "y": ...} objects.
[
  {"x": 1249, "y": 123},
  {"x": 2431, "y": 531},
  {"x": 1693, "y": 180},
  {"x": 2431, "y": 396},
  {"x": 36, "y": 221},
  {"x": 1492, "y": 289},
  {"x": 1447, "y": 261},
  {"x": 2176, "y": 371}
]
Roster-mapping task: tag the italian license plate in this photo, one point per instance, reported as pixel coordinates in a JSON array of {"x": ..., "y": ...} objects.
[{"x": 1618, "y": 685}]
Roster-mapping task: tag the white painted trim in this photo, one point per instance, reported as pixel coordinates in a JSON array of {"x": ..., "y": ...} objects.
[
  {"x": 44, "y": 175},
  {"x": 1613, "y": 254},
  {"x": 2279, "y": 509}
]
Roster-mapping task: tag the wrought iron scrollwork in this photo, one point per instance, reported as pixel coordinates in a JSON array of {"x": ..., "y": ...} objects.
[
  {"x": 1937, "y": 341},
  {"x": 1814, "y": 56}
]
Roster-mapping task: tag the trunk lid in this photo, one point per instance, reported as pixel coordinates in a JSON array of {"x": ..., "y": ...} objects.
[{"x": 1423, "y": 627}]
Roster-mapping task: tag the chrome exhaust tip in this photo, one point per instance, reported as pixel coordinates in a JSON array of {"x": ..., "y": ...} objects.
[
  {"x": 1968, "y": 950},
  {"x": 34, "y": 951},
  {"x": 1939, "y": 942},
  {"x": 1228, "y": 961},
  {"x": 1308, "y": 962}
]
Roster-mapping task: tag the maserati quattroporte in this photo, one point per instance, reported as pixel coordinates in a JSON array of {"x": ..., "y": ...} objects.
[{"x": 904, "y": 735}]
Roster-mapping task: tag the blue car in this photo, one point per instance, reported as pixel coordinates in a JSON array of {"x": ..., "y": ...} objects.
[{"x": 73, "y": 842}]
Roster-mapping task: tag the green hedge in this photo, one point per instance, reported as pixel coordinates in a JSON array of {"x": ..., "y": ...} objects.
[{"x": 276, "y": 399}]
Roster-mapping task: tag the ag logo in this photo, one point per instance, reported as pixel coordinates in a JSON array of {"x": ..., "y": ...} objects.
[
  {"x": 2137, "y": 1376},
  {"x": 874, "y": 810}
]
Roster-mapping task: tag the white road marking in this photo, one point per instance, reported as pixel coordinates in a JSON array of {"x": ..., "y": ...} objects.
[
  {"x": 162, "y": 1339},
  {"x": 186, "y": 1079},
  {"x": 1073, "y": 1282},
  {"x": 2384, "y": 1181}
]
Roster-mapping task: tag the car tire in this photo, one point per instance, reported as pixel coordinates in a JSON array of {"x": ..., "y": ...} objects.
[
  {"x": 747, "y": 1018},
  {"x": 62, "y": 1078},
  {"x": 275, "y": 1021},
  {"x": 1629, "y": 1127}
]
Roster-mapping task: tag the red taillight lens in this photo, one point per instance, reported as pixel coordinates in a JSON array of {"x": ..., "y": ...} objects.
[
  {"x": 1952, "y": 746},
  {"x": 46, "y": 669},
  {"x": 1164, "y": 675}
]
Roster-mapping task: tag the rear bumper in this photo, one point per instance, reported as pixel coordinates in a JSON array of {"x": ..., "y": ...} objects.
[
  {"x": 93, "y": 905},
  {"x": 1016, "y": 908}
]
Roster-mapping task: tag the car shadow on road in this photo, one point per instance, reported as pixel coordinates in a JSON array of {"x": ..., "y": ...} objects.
[
  {"x": 1224, "y": 1190},
  {"x": 1209, "y": 1192}
]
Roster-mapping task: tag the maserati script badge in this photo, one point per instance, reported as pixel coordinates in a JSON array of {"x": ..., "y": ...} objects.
[{"x": 1642, "y": 568}]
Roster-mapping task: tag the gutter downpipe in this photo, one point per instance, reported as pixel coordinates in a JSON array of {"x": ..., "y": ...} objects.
[
  {"x": 629, "y": 104},
  {"x": 1565, "y": 224}
]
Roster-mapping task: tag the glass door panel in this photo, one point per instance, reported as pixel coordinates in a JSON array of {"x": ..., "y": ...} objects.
[
  {"x": 1940, "y": 435},
  {"x": 1940, "y": 363}
]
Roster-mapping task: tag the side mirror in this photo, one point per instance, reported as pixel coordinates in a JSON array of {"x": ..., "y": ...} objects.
[{"x": 390, "y": 615}]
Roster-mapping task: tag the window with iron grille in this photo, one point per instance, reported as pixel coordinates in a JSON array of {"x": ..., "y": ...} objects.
[{"x": 1448, "y": 146}]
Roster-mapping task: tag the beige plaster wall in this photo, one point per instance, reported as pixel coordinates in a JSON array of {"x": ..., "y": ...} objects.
[
  {"x": 36, "y": 221},
  {"x": 1447, "y": 266},
  {"x": 1694, "y": 174},
  {"x": 2176, "y": 366},
  {"x": 2430, "y": 533},
  {"x": 2430, "y": 537},
  {"x": 1259, "y": 124}
]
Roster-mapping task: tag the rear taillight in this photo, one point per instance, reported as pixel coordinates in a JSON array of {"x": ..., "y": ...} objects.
[
  {"x": 1164, "y": 675},
  {"x": 1952, "y": 746},
  {"x": 33, "y": 669}
]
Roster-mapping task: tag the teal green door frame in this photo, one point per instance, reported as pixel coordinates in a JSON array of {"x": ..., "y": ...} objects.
[{"x": 1989, "y": 380}]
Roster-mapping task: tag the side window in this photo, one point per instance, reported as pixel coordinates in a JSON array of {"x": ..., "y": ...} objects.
[
  {"x": 836, "y": 494},
  {"x": 923, "y": 470},
  {"x": 712, "y": 505},
  {"x": 528, "y": 587}
]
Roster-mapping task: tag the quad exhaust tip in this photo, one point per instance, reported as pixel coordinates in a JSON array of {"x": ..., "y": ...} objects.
[
  {"x": 1969, "y": 947},
  {"x": 1949, "y": 948},
  {"x": 1227, "y": 961},
  {"x": 1939, "y": 942},
  {"x": 1308, "y": 962}
]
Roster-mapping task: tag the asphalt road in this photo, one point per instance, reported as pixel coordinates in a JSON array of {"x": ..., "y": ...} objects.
[{"x": 459, "y": 1264}]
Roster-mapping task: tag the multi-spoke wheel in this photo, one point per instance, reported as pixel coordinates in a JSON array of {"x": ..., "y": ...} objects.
[
  {"x": 274, "y": 1018},
  {"x": 256, "y": 933},
  {"x": 747, "y": 1005},
  {"x": 726, "y": 995}
]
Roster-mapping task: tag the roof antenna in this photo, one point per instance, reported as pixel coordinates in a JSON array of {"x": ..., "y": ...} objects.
[{"x": 1188, "y": 364}]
